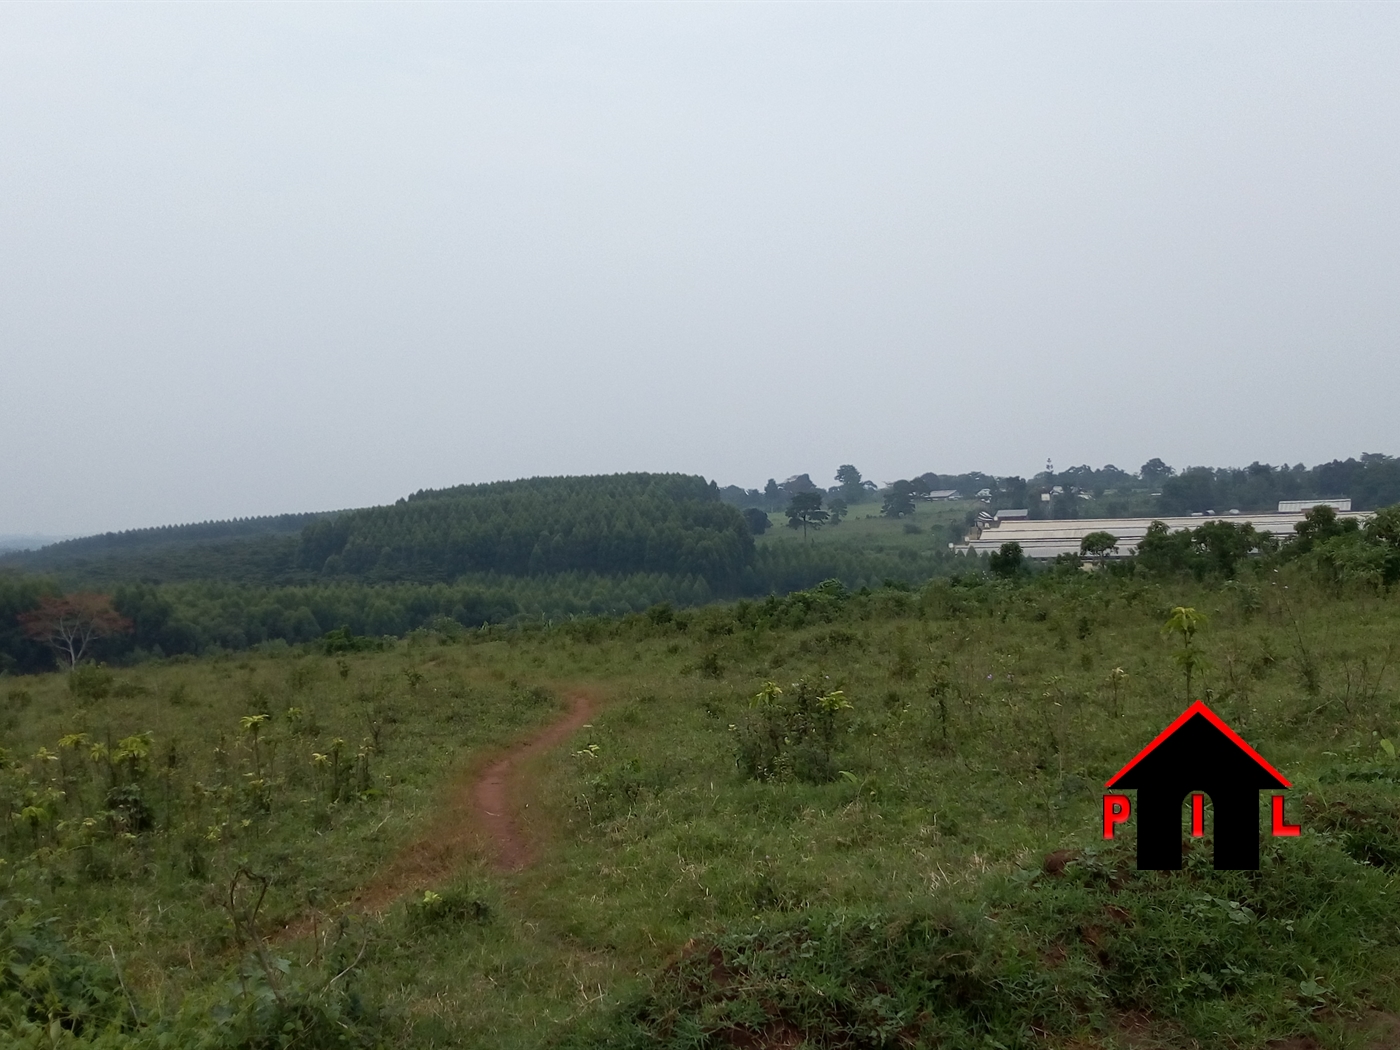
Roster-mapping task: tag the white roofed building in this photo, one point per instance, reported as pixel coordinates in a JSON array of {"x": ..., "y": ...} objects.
[
  {"x": 1041, "y": 538},
  {"x": 1291, "y": 506}
]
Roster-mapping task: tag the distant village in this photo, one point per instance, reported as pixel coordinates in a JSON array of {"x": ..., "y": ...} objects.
[
  {"x": 1050, "y": 538},
  {"x": 1051, "y": 513}
]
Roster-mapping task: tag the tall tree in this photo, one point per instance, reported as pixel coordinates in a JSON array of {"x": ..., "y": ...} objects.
[
  {"x": 852, "y": 491},
  {"x": 18, "y": 595},
  {"x": 804, "y": 511},
  {"x": 1154, "y": 471},
  {"x": 70, "y": 624},
  {"x": 899, "y": 500}
]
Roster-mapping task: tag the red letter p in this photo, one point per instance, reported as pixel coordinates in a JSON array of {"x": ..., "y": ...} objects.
[{"x": 1115, "y": 810}]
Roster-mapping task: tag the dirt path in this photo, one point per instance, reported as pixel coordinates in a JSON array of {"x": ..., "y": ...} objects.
[
  {"x": 495, "y": 796},
  {"x": 482, "y": 814}
]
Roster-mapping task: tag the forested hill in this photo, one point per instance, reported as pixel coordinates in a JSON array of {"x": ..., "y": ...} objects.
[
  {"x": 177, "y": 535},
  {"x": 611, "y": 525},
  {"x": 261, "y": 550},
  {"x": 622, "y": 524}
]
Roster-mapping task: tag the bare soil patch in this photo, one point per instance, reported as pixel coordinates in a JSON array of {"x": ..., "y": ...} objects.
[{"x": 480, "y": 815}]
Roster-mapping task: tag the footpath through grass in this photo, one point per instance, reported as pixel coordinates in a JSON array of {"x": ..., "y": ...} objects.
[{"x": 896, "y": 845}]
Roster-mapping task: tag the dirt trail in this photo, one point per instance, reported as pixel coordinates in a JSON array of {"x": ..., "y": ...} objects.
[
  {"x": 481, "y": 815},
  {"x": 495, "y": 794}
]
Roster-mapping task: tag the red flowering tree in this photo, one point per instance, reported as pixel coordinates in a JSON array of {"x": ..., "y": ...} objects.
[{"x": 71, "y": 623}]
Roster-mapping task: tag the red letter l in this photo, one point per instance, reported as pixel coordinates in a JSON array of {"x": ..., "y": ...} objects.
[{"x": 1280, "y": 828}]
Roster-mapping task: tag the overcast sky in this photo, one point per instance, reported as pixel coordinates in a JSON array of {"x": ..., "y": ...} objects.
[{"x": 264, "y": 258}]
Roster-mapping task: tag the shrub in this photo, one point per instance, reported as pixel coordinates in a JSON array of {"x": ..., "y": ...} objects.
[
  {"x": 90, "y": 682},
  {"x": 46, "y": 983},
  {"x": 790, "y": 735},
  {"x": 450, "y": 908}
]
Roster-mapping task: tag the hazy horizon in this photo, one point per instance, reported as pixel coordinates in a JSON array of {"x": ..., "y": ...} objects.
[
  {"x": 10, "y": 540},
  {"x": 278, "y": 258}
]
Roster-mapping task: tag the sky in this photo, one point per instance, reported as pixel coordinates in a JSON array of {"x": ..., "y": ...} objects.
[{"x": 261, "y": 258}]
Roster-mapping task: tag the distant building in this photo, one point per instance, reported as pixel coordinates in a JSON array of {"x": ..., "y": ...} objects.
[
  {"x": 984, "y": 493},
  {"x": 1045, "y": 538},
  {"x": 944, "y": 494},
  {"x": 1292, "y": 506}
]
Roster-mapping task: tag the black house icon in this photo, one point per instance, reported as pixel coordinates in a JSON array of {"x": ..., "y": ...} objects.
[{"x": 1198, "y": 753}]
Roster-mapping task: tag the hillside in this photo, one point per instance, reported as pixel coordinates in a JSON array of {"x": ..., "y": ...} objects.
[
  {"x": 616, "y": 524},
  {"x": 833, "y": 819},
  {"x": 543, "y": 549},
  {"x": 624, "y": 524},
  {"x": 536, "y": 549},
  {"x": 259, "y": 549},
  {"x": 620, "y": 524}
]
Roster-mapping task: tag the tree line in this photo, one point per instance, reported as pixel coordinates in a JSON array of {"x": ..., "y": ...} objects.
[
  {"x": 140, "y": 620},
  {"x": 666, "y": 524},
  {"x": 203, "y": 616},
  {"x": 1371, "y": 481}
]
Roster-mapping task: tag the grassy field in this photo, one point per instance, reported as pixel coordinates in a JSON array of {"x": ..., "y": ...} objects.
[
  {"x": 897, "y": 846},
  {"x": 864, "y": 528}
]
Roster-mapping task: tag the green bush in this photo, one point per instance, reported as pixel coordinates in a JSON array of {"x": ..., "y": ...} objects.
[
  {"x": 791, "y": 734},
  {"x": 90, "y": 682},
  {"x": 45, "y": 985}
]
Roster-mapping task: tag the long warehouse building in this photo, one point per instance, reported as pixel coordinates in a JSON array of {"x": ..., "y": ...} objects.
[{"x": 1049, "y": 539}]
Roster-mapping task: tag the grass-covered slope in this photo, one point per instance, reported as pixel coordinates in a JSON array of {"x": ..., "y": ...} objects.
[{"x": 922, "y": 867}]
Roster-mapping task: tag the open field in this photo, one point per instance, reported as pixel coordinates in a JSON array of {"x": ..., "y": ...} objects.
[
  {"x": 864, "y": 528},
  {"x": 894, "y": 874}
]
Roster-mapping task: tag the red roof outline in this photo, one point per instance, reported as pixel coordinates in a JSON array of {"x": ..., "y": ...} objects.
[{"x": 1199, "y": 708}]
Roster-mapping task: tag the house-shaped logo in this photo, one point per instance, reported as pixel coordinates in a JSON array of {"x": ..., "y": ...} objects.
[{"x": 1197, "y": 755}]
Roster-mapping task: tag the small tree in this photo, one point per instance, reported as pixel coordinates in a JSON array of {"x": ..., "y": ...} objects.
[
  {"x": 1320, "y": 524},
  {"x": 804, "y": 511},
  {"x": 1384, "y": 531},
  {"x": 792, "y": 734},
  {"x": 70, "y": 624},
  {"x": 757, "y": 520},
  {"x": 1185, "y": 622},
  {"x": 1099, "y": 545},
  {"x": 838, "y": 508},
  {"x": 1116, "y": 678},
  {"x": 1221, "y": 545},
  {"x": 1007, "y": 561}
]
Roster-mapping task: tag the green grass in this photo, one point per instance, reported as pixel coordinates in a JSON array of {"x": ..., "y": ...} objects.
[
  {"x": 678, "y": 902},
  {"x": 864, "y": 529}
]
